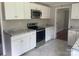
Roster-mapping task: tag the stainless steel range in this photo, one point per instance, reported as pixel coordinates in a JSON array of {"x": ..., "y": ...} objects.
[{"x": 40, "y": 33}]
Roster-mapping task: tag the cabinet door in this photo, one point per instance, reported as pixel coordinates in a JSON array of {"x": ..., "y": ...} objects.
[
  {"x": 45, "y": 12},
  {"x": 43, "y": 9},
  {"x": 52, "y": 32},
  {"x": 32, "y": 40},
  {"x": 27, "y": 10},
  {"x": 16, "y": 47},
  {"x": 20, "y": 44},
  {"x": 10, "y": 10},
  {"x": 19, "y": 10},
  {"x": 71, "y": 37},
  {"x": 75, "y": 9},
  {"x": 14, "y": 10},
  {"x": 26, "y": 43},
  {"x": 48, "y": 34},
  {"x": 48, "y": 13},
  {"x": 34, "y": 6}
]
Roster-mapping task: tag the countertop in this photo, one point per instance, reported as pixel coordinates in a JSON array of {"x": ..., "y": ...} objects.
[
  {"x": 18, "y": 32},
  {"x": 74, "y": 29},
  {"x": 47, "y": 26}
]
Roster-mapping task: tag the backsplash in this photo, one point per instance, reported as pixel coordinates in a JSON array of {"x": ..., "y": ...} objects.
[
  {"x": 14, "y": 25},
  {"x": 22, "y": 24}
]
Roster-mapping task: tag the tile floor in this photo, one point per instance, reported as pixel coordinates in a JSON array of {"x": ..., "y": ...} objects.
[{"x": 51, "y": 48}]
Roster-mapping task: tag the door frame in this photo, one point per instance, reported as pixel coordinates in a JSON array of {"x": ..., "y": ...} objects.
[{"x": 56, "y": 9}]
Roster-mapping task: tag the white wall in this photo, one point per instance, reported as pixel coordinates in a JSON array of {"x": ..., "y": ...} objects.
[
  {"x": 59, "y": 7},
  {"x": 52, "y": 15},
  {"x": 60, "y": 19},
  {"x": 66, "y": 21}
]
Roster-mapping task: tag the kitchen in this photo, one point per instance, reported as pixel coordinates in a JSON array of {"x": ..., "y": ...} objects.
[
  {"x": 16, "y": 24},
  {"x": 27, "y": 26}
]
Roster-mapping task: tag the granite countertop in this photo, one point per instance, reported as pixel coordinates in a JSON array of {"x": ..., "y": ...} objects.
[
  {"x": 46, "y": 26},
  {"x": 22, "y": 31},
  {"x": 18, "y": 32},
  {"x": 74, "y": 29}
]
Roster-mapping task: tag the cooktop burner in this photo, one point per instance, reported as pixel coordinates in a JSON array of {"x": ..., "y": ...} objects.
[{"x": 36, "y": 28}]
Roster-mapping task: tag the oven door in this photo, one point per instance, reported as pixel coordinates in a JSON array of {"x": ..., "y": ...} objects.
[{"x": 40, "y": 35}]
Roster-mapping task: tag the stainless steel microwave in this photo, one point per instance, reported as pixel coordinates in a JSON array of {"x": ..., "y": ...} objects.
[{"x": 36, "y": 14}]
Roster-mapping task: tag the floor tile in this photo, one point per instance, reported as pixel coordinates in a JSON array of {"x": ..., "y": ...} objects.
[{"x": 51, "y": 48}]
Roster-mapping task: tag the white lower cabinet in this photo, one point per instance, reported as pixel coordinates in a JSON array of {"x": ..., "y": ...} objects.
[
  {"x": 50, "y": 33},
  {"x": 26, "y": 44},
  {"x": 32, "y": 40},
  {"x": 16, "y": 47},
  {"x": 23, "y": 43},
  {"x": 72, "y": 37}
]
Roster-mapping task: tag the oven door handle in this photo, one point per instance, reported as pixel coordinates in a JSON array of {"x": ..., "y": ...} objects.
[{"x": 39, "y": 30}]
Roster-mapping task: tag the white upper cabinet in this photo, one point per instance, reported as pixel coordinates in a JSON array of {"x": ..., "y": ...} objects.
[
  {"x": 45, "y": 12},
  {"x": 22, "y": 10},
  {"x": 14, "y": 10},
  {"x": 75, "y": 11},
  {"x": 19, "y": 8},
  {"x": 10, "y": 12},
  {"x": 27, "y": 9},
  {"x": 35, "y": 6}
]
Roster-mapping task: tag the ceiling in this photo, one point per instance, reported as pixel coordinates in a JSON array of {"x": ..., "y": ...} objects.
[{"x": 55, "y": 3}]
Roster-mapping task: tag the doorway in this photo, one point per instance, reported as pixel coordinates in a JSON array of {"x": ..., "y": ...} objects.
[{"x": 62, "y": 23}]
